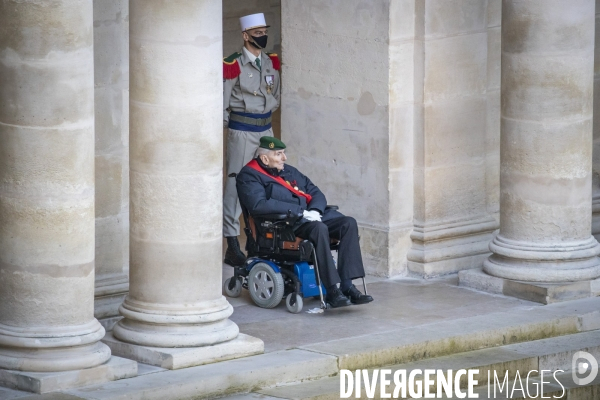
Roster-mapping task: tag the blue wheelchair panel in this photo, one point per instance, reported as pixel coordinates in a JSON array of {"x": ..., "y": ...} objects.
[
  {"x": 306, "y": 276},
  {"x": 304, "y": 272}
]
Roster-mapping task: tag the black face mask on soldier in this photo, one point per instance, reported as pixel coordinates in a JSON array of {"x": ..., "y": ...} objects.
[{"x": 260, "y": 42}]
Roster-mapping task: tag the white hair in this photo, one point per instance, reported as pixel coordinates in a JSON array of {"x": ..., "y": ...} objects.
[{"x": 262, "y": 152}]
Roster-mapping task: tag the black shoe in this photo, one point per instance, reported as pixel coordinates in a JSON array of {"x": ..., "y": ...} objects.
[
  {"x": 356, "y": 297},
  {"x": 233, "y": 255},
  {"x": 336, "y": 299}
]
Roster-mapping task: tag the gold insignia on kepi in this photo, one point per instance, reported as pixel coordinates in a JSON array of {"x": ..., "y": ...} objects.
[{"x": 271, "y": 145}]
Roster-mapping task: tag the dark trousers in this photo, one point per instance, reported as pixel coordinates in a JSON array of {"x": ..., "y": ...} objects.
[{"x": 350, "y": 265}]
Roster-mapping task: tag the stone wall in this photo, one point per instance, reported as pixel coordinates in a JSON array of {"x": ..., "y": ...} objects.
[
  {"x": 111, "y": 76},
  {"x": 399, "y": 102},
  {"x": 492, "y": 138},
  {"x": 335, "y": 108},
  {"x": 452, "y": 226},
  {"x": 405, "y": 119}
]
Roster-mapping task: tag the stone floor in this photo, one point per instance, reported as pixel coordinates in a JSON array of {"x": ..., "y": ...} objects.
[
  {"x": 405, "y": 311},
  {"x": 399, "y": 303}
]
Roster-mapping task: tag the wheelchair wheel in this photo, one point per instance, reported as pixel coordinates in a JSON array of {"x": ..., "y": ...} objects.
[
  {"x": 297, "y": 306},
  {"x": 265, "y": 285},
  {"x": 237, "y": 289}
]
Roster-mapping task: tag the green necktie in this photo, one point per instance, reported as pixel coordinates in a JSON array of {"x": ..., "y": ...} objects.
[{"x": 257, "y": 61}]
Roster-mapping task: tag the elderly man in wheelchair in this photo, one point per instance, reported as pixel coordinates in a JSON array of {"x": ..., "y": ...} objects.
[{"x": 288, "y": 227}]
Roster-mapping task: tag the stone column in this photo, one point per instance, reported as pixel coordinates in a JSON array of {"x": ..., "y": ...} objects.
[
  {"x": 47, "y": 187},
  {"x": 176, "y": 144},
  {"x": 546, "y": 143}
]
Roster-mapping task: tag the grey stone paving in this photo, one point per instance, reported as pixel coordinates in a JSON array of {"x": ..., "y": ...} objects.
[
  {"x": 408, "y": 315},
  {"x": 401, "y": 303}
]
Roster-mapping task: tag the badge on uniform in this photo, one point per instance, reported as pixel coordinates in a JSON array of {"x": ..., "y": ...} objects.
[{"x": 269, "y": 79}]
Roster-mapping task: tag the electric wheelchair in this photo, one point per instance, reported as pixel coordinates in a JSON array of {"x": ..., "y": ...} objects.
[{"x": 279, "y": 264}]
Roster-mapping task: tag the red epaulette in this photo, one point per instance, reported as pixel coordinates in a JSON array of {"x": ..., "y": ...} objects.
[
  {"x": 275, "y": 60},
  {"x": 231, "y": 67}
]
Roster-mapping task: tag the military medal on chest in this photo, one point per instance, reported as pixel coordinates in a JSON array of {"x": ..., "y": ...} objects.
[{"x": 270, "y": 80}]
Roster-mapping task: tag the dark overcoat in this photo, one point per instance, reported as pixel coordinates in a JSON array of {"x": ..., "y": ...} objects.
[{"x": 260, "y": 194}]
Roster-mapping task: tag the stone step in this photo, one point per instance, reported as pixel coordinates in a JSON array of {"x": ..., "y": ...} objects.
[
  {"x": 321, "y": 390},
  {"x": 399, "y": 345},
  {"x": 462, "y": 335},
  {"x": 531, "y": 389},
  {"x": 546, "y": 354},
  {"x": 213, "y": 380}
]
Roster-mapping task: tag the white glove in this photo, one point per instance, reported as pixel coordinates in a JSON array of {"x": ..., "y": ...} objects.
[{"x": 311, "y": 215}]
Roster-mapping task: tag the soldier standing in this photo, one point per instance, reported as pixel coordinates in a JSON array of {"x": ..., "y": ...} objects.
[{"x": 250, "y": 95}]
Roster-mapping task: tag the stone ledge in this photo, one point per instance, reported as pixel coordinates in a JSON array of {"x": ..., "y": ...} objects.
[
  {"x": 441, "y": 249},
  {"x": 400, "y": 345},
  {"x": 545, "y": 293},
  {"x": 461, "y": 335},
  {"x": 183, "y": 357},
  {"x": 43, "y": 382},
  {"x": 217, "y": 380},
  {"x": 548, "y": 354},
  {"x": 433, "y": 269}
]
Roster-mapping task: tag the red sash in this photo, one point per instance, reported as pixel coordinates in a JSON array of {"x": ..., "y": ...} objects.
[{"x": 254, "y": 165}]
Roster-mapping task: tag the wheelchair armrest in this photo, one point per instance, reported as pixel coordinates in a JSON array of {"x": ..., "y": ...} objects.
[
  {"x": 331, "y": 207},
  {"x": 290, "y": 218},
  {"x": 270, "y": 217}
]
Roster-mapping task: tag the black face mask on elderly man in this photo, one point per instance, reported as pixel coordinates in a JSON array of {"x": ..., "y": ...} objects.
[{"x": 260, "y": 42}]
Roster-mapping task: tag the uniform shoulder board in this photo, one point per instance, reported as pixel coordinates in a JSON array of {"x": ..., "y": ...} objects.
[
  {"x": 275, "y": 60},
  {"x": 231, "y": 67}
]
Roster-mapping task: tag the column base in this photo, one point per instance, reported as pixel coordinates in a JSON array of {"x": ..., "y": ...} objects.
[
  {"x": 545, "y": 293},
  {"x": 544, "y": 262},
  {"x": 43, "y": 382},
  {"x": 156, "y": 325},
  {"x": 451, "y": 247},
  {"x": 51, "y": 349},
  {"x": 183, "y": 357}
]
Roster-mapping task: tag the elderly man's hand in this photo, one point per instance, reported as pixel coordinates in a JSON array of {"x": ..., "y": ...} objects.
[{"x": 311, "y": 215}]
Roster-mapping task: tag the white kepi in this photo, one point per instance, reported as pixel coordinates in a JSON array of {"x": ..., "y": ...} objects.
[{"x": 253, "y": 21}]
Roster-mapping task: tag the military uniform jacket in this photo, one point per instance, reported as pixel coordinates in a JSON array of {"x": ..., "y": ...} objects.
[
  {"x": 260, "y": 194},
  {"x": 248, "y": 91}
]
